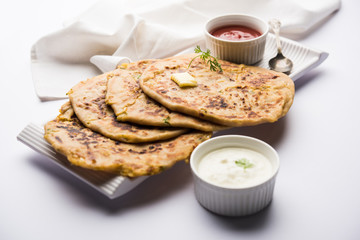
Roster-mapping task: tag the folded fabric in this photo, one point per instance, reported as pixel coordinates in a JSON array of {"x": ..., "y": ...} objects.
[{"x": 114, "y": 31}]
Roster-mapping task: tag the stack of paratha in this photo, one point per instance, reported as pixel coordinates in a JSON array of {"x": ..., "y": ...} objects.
[{"x": 136, "y": 121}]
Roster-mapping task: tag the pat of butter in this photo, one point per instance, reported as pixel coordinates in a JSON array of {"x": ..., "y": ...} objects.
[
  {"x": 123, "y": 66},
  {"x": 184, "y": 79}
]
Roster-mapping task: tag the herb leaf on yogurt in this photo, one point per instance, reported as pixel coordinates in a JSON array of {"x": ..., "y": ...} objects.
[
  {"x": 208, "y": 59},
  {"x": 244, "y": 163}
]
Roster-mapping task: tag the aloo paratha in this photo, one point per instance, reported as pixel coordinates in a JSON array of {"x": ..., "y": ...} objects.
[
  {"x": 88, "y": 101},
  {"x": 92, "y": 150},
  {"x": 239, "y": 96},
  {"x": 130, "y": 104}
]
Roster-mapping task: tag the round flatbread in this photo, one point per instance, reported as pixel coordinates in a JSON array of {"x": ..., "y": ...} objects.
[
  {"x": 91, "y": 150},
  {"x": 130, "y": 103},
  {"x": 239, "y": 96},
  {"x": 88, "y": 101}
]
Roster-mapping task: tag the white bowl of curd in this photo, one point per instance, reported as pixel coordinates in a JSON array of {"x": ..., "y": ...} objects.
[{"x": 234, "y": 175}]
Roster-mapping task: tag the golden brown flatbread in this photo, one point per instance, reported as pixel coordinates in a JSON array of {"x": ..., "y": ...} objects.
[
  {"x": 130, "y": 104},
  {"x": 91, "y": 150},
  {"x": 88, "y": 101},
  {"x": 239, "y": 96}
]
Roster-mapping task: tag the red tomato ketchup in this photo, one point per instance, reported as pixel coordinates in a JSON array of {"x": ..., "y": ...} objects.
[{"x": 235, "y": 33}]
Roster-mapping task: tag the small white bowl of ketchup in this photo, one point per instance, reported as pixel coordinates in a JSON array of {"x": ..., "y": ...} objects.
[{"x": 237, "y": 38}]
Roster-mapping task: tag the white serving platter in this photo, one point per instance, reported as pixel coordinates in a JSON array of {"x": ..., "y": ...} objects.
[
  {"x": 110, "y": 185},
  {"x": 304, "y": 59},
  {"x": 113, "y": 186}
]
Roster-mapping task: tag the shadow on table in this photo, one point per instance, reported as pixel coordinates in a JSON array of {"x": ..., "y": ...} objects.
[
  {"x": 153, "y": 189},
  {"x": 270, "y": 133},
  {"x": 250, "y": 222},
  {"x": 304, "y": 80}
]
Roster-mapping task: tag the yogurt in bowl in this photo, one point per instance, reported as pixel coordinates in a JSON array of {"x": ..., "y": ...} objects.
[
  {"x": 235, "y": 167},
  {"x": 234, "y": 175}
]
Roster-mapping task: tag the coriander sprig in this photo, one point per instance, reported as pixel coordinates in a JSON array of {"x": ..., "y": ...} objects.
[
  {"x": 208, "y": 59},
  {"x": 244, "y": 163},
  {"x": 166, "y": 120}
]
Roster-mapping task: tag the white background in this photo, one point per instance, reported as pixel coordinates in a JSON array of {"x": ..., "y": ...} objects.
[{"x": 317, "y": 194}]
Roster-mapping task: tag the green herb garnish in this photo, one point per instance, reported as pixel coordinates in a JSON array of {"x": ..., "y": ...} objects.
[
  {"x": 166, "y": 120},
  {"x": 208, "y": 59},
  {"x": 244, "y": 163}
]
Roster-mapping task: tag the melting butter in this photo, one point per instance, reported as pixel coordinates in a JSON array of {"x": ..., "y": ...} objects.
[{"x": 184, "y": 79}]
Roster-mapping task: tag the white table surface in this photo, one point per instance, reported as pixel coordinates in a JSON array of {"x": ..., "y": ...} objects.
[{"x": 317, "y": 194}]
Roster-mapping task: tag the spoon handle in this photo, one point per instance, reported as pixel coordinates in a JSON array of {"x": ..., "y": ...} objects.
[{"x": 275, "y": 25}]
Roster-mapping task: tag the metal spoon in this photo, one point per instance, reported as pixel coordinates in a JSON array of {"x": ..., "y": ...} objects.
[{"x": 279, "y": 63}]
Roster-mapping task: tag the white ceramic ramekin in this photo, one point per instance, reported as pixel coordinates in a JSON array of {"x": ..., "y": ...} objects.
[
  {"x": 234, "y": 201},
  {"x": 246, "y": 51}
]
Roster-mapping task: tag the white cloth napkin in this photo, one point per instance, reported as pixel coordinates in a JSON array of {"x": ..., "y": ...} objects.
[{"x": 116, "y": 31}]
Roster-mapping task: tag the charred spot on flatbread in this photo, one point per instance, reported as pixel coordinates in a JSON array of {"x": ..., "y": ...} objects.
[
  {"x": 130, "y": 103},
  {"x": 238, "y": 96},
  {"x": 91, "y": 150},
  {"x": 88, "y": 101}
]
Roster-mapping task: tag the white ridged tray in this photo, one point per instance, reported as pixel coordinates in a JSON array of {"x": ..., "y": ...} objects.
[
  {"x": 107, "y": 184},
  {"x": 304, "y": 58},
  {"x": 113, "y": 186}
]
